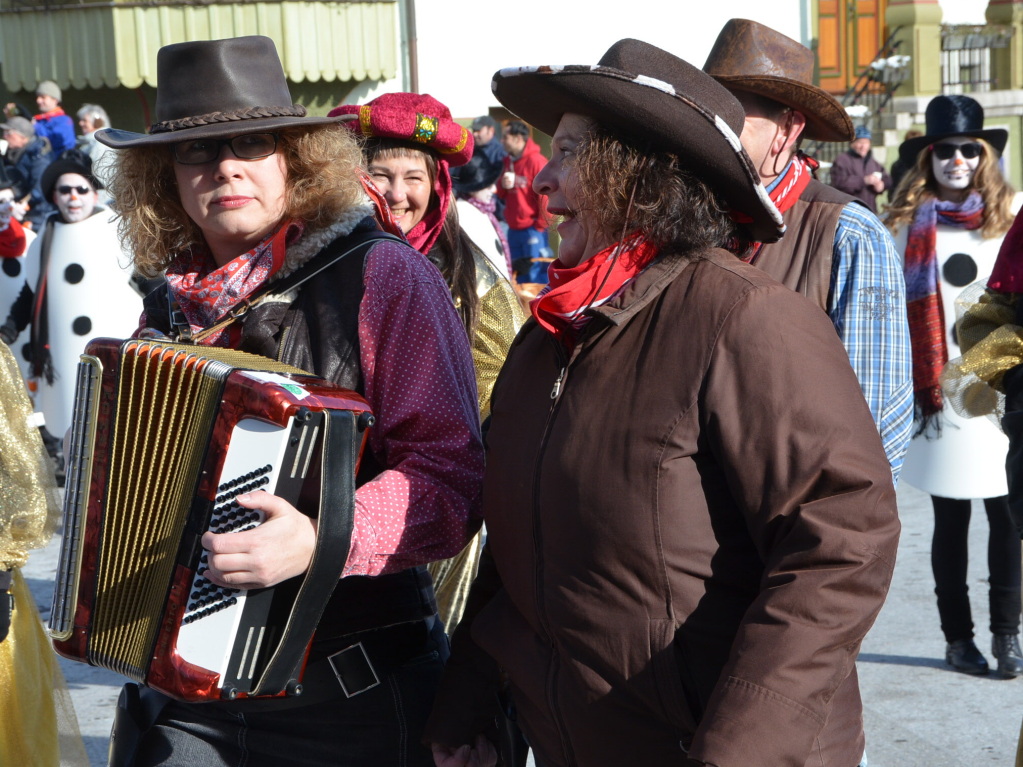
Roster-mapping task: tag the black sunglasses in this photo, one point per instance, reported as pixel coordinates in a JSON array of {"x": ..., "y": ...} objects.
[
  {"x": 82, "y": 190},
  {"x": 250, "y": 146},
  {"x": 947, "y": 151}
]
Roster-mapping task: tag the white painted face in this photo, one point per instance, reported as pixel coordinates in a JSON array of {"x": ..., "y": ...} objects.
[
  {"x": 955, "y": 171},
  {"x": 75, "y": 198},
  {"x": 6, "y": 206}
]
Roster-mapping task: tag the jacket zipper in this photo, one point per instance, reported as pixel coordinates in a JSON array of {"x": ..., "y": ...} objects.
[
  {"x": 282, "y": 344},
  {"x": 541, "y": 612}
]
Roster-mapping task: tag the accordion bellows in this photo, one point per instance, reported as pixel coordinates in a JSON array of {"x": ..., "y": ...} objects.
[{"x": 164, "y": 436}]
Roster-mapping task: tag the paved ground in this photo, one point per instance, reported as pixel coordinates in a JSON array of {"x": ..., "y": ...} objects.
[{"x": 918, "y": 713}]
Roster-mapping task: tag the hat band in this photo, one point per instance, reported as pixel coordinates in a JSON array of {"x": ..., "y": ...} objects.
[
  {"x": 251, "y": 113},
  {"x": 425, "y": 131}
]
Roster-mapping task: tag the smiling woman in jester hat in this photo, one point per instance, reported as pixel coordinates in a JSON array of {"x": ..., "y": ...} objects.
[{"x": 410, "y": 144}]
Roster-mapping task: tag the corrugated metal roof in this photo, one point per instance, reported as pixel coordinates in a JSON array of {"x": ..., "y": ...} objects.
[{"x": 94, "y": 46}]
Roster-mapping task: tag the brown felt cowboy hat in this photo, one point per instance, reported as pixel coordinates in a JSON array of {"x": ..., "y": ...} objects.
[
  {"x": 648, "y": 93},
  {"x": 748, "y": 56},
  {"x": 214, "y": 89}
]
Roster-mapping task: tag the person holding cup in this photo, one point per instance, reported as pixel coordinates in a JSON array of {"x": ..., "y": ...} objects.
[{"x": 857, "y": 173}]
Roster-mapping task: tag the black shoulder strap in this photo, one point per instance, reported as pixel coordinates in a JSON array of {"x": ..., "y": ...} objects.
[
  {"x": 326, "y": 258},
  {"x": 330, "y": 255},
  {"x": 342, "y": 439}
]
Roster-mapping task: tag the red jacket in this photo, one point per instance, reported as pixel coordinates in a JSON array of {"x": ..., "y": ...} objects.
[{"x": 524, "y": 208}]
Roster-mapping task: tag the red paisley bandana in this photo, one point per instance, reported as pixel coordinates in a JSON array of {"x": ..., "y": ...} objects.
[
  {"x": 205, "y": 292},
  {"x": 559, "y": 307},
  {"x": 381, "y": 210}
]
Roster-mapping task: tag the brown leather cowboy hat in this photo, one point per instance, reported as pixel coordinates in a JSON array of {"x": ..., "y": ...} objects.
[
  {"x": 648, "y": 93},
  {"x": 217, "y": 88},
  {"x": 748, "y": 56}
]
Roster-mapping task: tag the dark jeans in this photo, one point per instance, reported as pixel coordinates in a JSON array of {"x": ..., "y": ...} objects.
[
  {"x": 949, "y": 559},
  {"x": 378, "y": 728}
]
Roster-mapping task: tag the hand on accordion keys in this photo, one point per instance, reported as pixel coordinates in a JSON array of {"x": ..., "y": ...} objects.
[{"x": 278, "y": 549}]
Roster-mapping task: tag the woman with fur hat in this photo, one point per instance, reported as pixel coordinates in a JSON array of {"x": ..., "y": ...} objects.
[
  {"x": 691, "y": 520},
  {"x": 949, "y": 216},
  {"x": 410, "y": 144},
  {"x": 236, "y": 193}
]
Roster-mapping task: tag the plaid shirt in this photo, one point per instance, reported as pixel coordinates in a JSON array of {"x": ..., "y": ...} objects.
[{"x": 867, "y": 303}]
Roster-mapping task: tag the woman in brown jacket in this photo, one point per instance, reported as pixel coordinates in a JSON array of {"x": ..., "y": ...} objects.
[{"x": 691, "y": 520}]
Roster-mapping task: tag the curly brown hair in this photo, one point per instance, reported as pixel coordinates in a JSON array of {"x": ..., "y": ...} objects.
[
  {"x": 919, "y": 185},
  {"x": 674, "y": 209},
  {"x": 323, "y": 184}
]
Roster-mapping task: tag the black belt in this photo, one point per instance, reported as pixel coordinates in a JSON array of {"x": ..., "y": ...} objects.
[{"x": 351, "y": 665}]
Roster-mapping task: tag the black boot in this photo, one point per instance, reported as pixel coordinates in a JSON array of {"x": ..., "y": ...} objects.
[
  {"x": 963, "y": 655},
  {"x": 1005, "y": 648}
]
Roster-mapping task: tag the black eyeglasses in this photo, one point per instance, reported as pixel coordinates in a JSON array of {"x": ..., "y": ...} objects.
[
  {"x": 947, "y": 151},
  {"x": 82, "y": 190},
  {"x": 250, "y": 146}
]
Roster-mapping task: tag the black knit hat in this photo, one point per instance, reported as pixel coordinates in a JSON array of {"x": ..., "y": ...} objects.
[
  {"x": 71, "y": 161},
  {"x": 478, "y": 173}
]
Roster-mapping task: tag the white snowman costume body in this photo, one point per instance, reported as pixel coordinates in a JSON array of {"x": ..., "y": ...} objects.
[
  {"x": 967, "y": 460},
  {"x": 89, "y": 295}
]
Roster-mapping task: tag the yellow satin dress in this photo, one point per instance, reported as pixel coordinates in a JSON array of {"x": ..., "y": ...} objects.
[{"x": 500, "y": 317}]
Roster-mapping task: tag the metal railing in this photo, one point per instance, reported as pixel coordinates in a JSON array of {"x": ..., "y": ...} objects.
[
  {"x": 966, "y": 56},
  {"x": 871, "y": 94}
]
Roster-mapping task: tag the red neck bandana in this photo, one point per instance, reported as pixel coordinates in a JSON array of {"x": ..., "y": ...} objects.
[
  {"x": 786, "y": 191},
  {"x": 206, "y": 293},
  {"x": 561, "y": 305}
]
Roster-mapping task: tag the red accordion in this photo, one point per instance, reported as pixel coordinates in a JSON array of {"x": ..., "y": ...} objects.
[{"x": 164, "y": 437}]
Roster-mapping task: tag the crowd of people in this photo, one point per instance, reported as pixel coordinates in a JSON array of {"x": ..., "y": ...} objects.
[{"x": 632, "y": 503}]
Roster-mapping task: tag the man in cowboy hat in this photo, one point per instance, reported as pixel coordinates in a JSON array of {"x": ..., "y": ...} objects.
[{"x": 834, "y": 251}]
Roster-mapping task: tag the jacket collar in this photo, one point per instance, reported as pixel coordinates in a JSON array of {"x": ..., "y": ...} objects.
[
  {"x": 313, "y": 241},
  {"x": 646, "y": 287},
  {"x": 653, "y": 280}
]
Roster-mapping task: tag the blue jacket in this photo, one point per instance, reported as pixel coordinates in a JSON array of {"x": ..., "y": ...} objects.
[
  {"x": 57, "y": 128},
  {"x": 25, "y": 168}
]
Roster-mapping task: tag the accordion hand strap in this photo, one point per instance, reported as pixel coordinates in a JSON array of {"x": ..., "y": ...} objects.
[{"x": 341, "y": 442}]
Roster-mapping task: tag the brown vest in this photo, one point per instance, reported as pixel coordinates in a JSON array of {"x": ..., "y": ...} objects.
[{"x": 801, "y": 260}]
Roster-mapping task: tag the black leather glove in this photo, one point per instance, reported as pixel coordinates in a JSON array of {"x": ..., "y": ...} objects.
[
  {"x": 6, "y": 604},
  {"x": 1013, "y": 383},
  {"x": 8, "y": 332}
]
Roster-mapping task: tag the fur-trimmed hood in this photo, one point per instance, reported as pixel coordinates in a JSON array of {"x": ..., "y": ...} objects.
[{"x": 313, "y": 241}]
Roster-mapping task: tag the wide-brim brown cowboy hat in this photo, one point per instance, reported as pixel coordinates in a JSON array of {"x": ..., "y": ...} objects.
[
  {"x": 647, "y": 93},
  {"x": 948, "y": 117},
  {"x": 215, "y": 89},
  {"x": 750, "y": 57}
]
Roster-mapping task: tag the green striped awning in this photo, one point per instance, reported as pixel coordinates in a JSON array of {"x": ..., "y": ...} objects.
[{"x": 115, "y": 44}]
